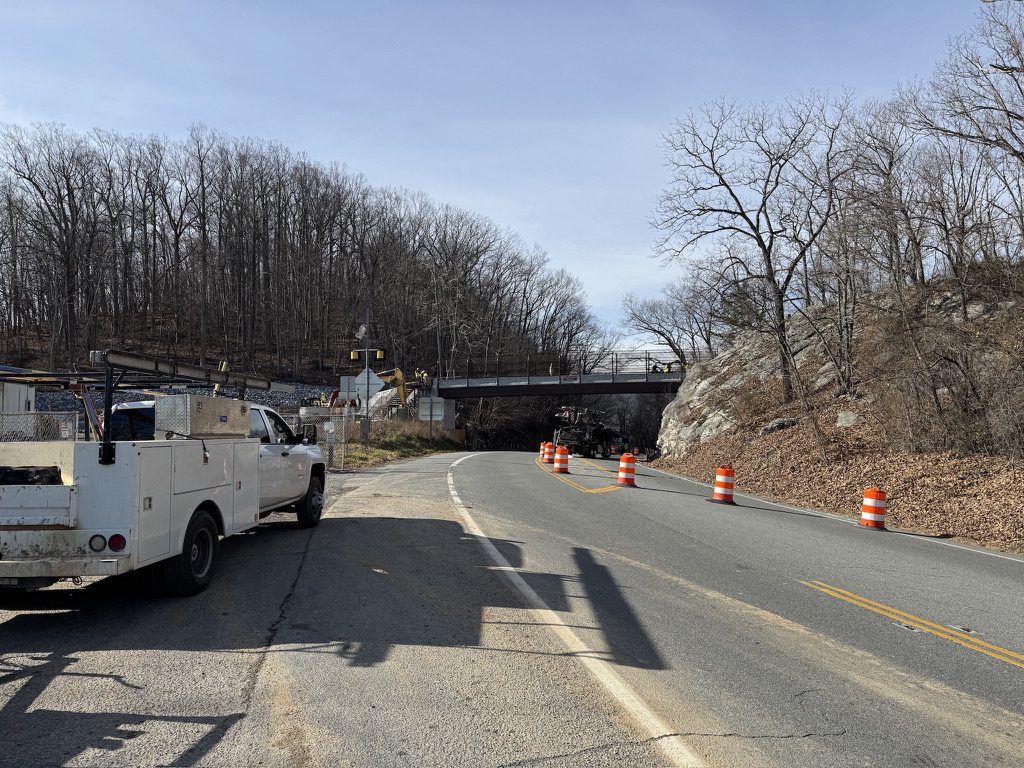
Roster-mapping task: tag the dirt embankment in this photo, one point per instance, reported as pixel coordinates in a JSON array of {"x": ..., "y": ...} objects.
[{"x": 978, "y": 499}]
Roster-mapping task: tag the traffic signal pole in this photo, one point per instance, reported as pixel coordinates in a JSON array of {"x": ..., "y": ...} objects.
[
  {"x": 364, "y": 334},
  {"x": 366, "y": 374}
]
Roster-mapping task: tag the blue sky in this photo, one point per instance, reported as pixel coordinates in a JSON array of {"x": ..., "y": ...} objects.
[{"x": 544, "y": 116}]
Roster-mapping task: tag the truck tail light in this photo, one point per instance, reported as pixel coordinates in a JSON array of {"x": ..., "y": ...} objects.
[
  {"x": 97, "y": 543},
  {"x": 117, "y": 542}
]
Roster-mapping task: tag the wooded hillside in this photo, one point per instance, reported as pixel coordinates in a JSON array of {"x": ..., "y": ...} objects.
[
  {"x": 214, "y": 247},
  {"x": 867, "y": 212}
]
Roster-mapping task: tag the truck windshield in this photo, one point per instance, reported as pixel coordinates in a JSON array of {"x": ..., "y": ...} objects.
[{"x": 132, "y": 424}]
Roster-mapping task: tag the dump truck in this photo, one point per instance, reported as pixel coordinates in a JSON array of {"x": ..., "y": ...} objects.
[{"x": 583, "y": 433}]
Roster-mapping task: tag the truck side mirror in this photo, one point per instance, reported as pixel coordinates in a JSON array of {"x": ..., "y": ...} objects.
[{"x": 309, "y": 433}]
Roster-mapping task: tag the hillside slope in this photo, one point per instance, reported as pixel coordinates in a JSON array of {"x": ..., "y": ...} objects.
[{"x": 821, "y": 453}]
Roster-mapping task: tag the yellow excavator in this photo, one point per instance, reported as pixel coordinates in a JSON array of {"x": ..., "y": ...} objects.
[{"x": 396, "y": 378}]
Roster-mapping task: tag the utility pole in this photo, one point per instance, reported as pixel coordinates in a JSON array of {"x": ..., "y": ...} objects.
[
  {"x": 363, "y": 335},
  {"x": 366, "y": 373},
  {"x": 437, "y": 367}
]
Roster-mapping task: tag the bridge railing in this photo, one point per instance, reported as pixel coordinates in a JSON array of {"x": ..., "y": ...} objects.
[{"x": 627, "y": 363}]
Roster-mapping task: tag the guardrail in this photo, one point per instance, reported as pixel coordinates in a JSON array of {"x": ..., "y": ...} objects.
[{"x": 637, "y": 361}]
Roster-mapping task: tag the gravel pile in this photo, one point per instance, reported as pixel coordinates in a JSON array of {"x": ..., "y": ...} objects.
[
  {"x": 978, "y": 499},
  {"x": 286, "y": 401}
]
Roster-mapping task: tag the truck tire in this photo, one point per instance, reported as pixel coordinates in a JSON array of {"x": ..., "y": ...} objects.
[
  {"x": 311, "y": 506},
  {"x": 192, "y": 571}
]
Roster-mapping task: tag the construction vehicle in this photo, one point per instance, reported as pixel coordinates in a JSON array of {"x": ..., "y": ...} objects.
[
  {"x": 584, "y": 434},
  {"x": 407, "y": 393},
  {"x": 396, "y": 378},
  {"x": 170, "y": 477}
]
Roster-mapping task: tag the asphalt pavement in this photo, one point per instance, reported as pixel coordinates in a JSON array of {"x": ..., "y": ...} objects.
[
  {"x": 767, "y": 633},
  {"x": 383, "y": 637},
  {"x": 492, "y": 614}
]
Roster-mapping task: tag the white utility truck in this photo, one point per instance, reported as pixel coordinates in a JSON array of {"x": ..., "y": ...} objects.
[{"x": 208, "y": 467}]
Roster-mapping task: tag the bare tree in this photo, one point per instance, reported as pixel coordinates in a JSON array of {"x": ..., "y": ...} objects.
[
  {"x": 761, "y": 178},
  {"x": 683, "y": 318},
  {"x": 977, "y": 93},
  {"x": 242, "y": 250}
]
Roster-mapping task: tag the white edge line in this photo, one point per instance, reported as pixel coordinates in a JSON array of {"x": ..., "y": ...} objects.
[
  {"x": 847, "y": 520},
  {"x": 672, "y": 745}
]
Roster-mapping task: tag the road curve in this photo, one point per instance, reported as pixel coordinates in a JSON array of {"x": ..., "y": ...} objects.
[
  {"x": 767, "y": 634},
  {"x": 666, "y": 630}
]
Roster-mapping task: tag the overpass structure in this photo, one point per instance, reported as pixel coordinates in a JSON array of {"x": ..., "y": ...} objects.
[{"x": 619, "y": 372}]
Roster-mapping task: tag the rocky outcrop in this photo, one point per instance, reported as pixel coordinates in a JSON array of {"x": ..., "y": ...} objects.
[
  {"x": 847, "y": 419},
  {"x": 741, "y": 386},
  {"x": 776, "y": 424},
  {"x": 723, "y": 392}
]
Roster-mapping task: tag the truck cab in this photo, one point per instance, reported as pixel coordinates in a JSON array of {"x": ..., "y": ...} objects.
[
  {"x": 287, "y": 461},
  {"x": 287, "y": 464}
]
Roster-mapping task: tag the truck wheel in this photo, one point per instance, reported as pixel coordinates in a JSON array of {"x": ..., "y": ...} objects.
[
  {"x": 192, "y": 571},
  {"x": 311, "y": 506}
]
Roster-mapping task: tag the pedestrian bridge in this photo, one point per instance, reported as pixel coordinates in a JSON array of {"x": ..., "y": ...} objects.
[{"x": 619, "y": 372}]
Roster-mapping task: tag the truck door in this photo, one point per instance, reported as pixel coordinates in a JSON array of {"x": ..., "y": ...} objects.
[
  {"x": 294, "y": 471},
  {"x": 271, "y": 462}
]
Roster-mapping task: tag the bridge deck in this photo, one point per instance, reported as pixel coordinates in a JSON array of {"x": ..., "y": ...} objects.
[{"x": 566, "y": 384}]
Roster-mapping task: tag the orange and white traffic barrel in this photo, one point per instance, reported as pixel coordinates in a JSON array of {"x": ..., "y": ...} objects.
[
  {"x": 549, "y": 453},
  {"x": 872, "y": 509},
  {"x": 725, "y": 481},
  {"x": 627, "y": 470},
  {"x": 562, "y": 460},
  {"x": 541, "y": 454}
]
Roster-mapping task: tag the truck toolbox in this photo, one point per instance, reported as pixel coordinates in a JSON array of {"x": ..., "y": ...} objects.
[{"x": 200, "y": 416}]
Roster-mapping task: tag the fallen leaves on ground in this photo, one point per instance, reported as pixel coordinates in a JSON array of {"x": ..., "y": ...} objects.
[{"x": 979, "y": 499}]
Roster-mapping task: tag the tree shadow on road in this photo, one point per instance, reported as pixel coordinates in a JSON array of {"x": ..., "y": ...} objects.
[{"x": 40, "y": 736}]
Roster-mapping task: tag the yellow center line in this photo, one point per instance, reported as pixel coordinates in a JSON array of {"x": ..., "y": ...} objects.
[
  {"x": 572, "y": 484},
  {"x": 931, "y": 624},
  {"x": 603, "y": 469},
  {"x": 946, "y": 633}
]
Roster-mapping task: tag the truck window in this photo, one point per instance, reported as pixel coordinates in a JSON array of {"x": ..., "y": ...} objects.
[
  {"x": 258, "y": 427},
  {"x": 132, "y": 424},
  {"x": 282, "y": 434}
]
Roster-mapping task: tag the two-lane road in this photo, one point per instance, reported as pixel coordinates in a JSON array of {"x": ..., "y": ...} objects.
[
  {"x": 475, "y": 610},
  {"x": 805, "y": 639}
]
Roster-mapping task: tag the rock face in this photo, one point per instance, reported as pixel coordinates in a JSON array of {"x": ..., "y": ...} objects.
[
  {"x": 716, "y": 394},
  {"x": 776, "y": 425},
  {"x": 847, "y": 419}
]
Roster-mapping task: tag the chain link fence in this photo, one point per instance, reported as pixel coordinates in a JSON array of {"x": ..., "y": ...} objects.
[
  {"x": 38, "y": 426},
  {"x": 340, "y": 434},
  {"x": 334, "y": 432}
]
